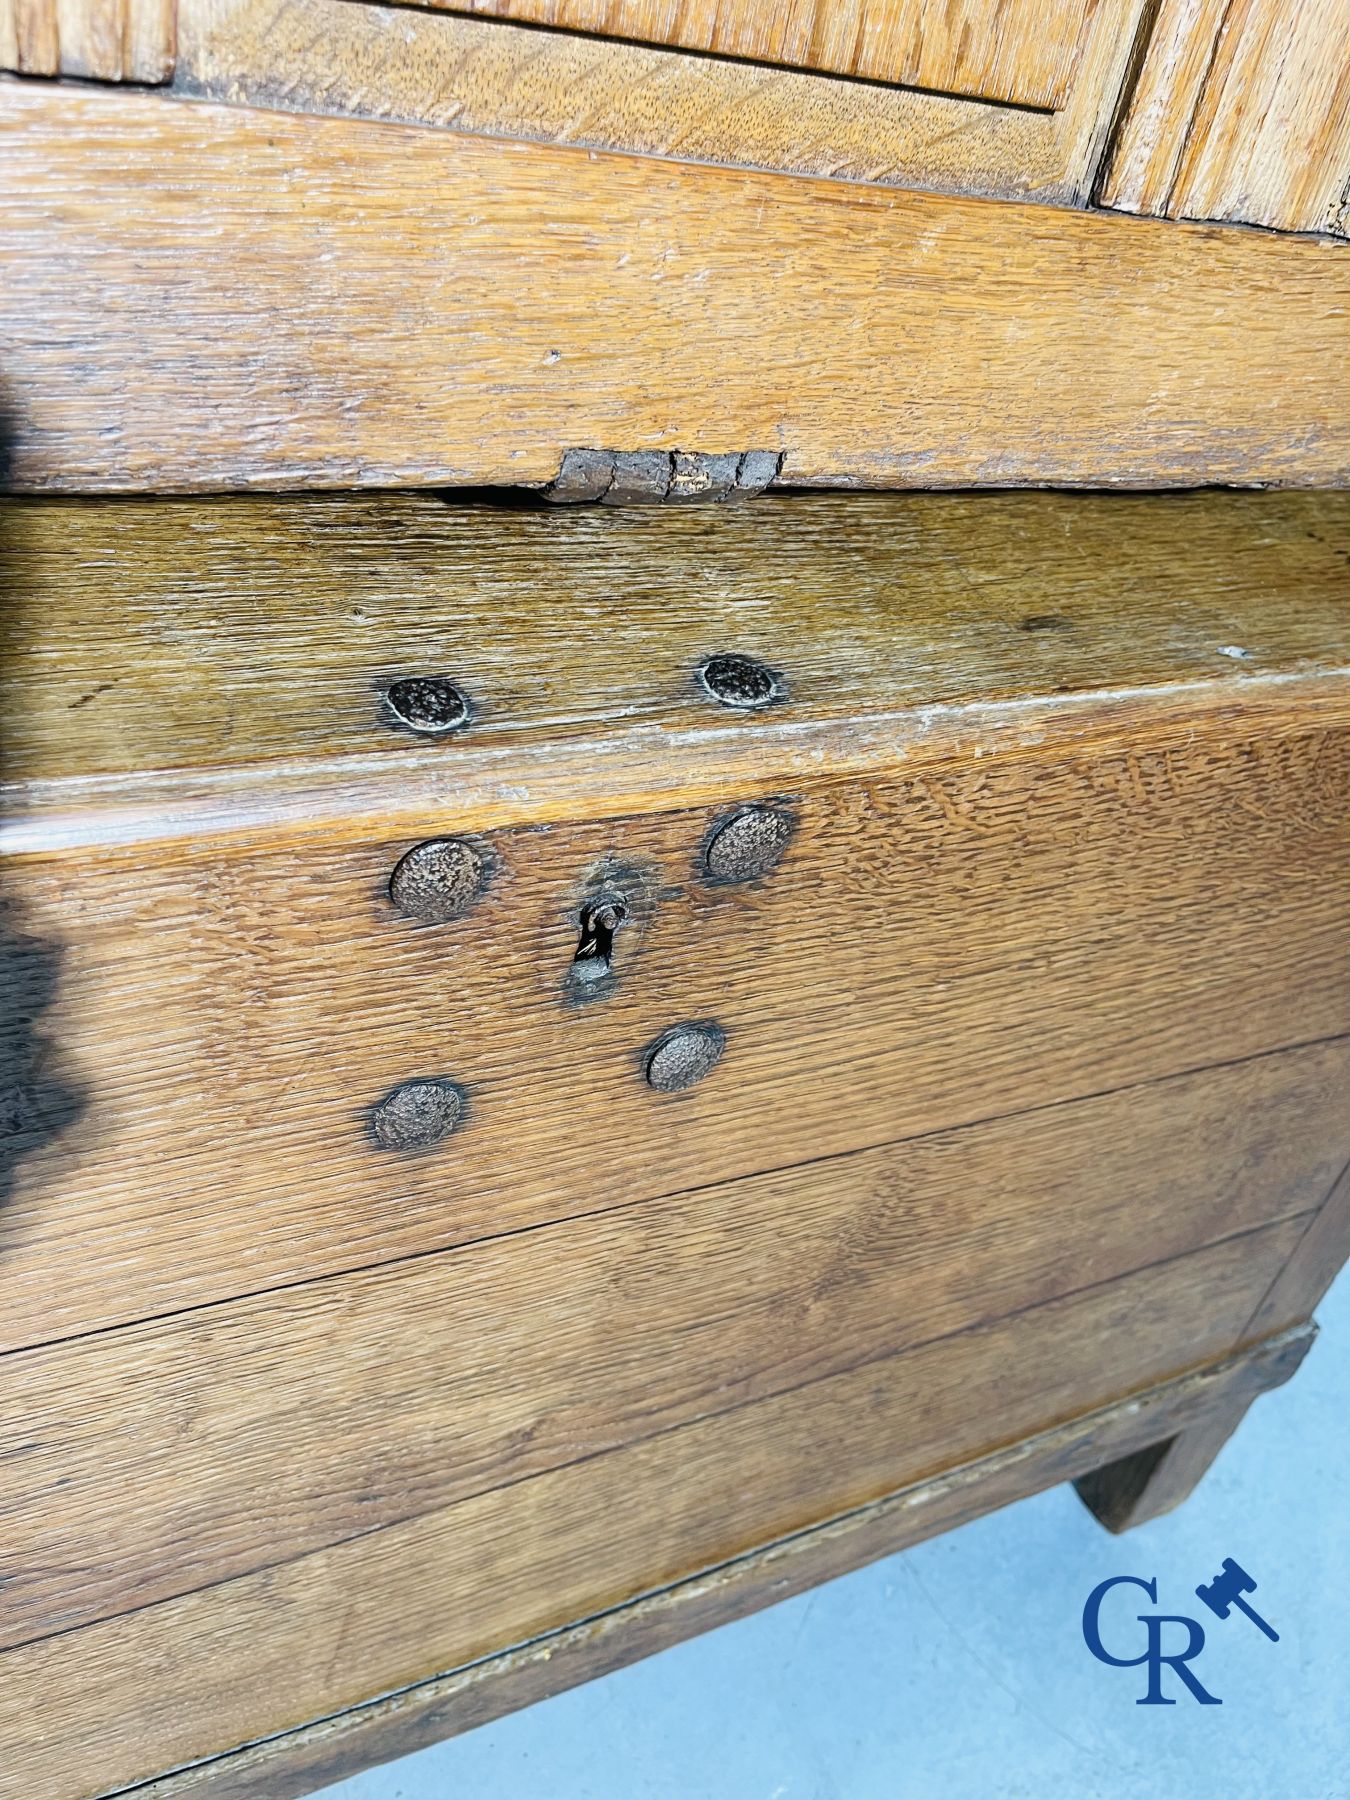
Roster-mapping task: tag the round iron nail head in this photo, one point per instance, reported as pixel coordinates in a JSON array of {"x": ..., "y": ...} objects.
[
  {"x": 682, "y": 1056},
  {"x": 418, "y": 1114}
]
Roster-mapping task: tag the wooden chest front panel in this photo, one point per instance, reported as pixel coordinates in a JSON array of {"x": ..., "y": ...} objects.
[
  {"x": 933, "y": 950},
  {"x": 989, "y": 903},
  {"x": 1036, "y": 1051},
  {"x": 441, "y": 1376},
  {"x": 380, "y": 1607}
]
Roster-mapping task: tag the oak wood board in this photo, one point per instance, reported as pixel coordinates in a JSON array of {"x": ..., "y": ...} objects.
[
  {"x": 1321, "y": 1253},
  {"x": 995, "y": 961},
  {"x": 171, "y": 1683},
  {"x": 930, "y": 341},
  {"x": 297, "y": 1762},
  {"x": 950, "y": 932},
  {"x": 1014, "y": 50},
  {"x": 97, "y": 40},
  {"x": 263, "y": 629},
  {"x": 358, "y": 1401},
  {"x": 1240, "y": 112}
]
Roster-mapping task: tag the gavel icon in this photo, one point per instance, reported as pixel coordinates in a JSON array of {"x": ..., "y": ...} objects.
[{"x": 1226, "y": 1591}]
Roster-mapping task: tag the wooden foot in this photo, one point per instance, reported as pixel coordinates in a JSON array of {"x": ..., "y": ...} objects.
[
  {"x": 1149, "y": 1482},
  {"x": 1153, "y": 1480}
]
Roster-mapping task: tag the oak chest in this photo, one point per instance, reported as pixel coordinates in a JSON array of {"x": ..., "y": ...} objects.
[
  {"x": 573, "y": 1070},
  {"x": 567, "y": 1070}
]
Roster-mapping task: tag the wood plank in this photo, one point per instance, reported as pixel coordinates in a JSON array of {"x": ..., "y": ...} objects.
[
  {"x": 972, "y": 609},
  {"x": 100, "y": 40},
  {"x": 1171, "y": 77},
  {"x": 1241, "y": 112},
  {"x": 91, "y": 34},
  {"x": 28, "y": 33},
  {"x": 308, "y": 800},
  {"x": 133, "y": 1696},
  {"x": 931, "y": 341},
  {"x": 996, "y": 960},
  {"x": 327, "y": 1751},
  {"x": 1270, "y": 141},
  {"x": 994, "y": 49},
  {"x": 474, "y": 75},
  {"x": 356, "y": 1402}
]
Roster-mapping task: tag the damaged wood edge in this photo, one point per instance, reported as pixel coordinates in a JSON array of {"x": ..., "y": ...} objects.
[
  {"x": 297, "y": 1762},
  {"x": 656, "y": 477},
  {"x": 1218, "y": 128}
]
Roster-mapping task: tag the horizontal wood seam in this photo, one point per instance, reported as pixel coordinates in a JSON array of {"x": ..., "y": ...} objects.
[
  {"x": 834, "y": 1156},
  {"x": 1277, "y": 1351},
  {"x": 646, "y": 1437}
]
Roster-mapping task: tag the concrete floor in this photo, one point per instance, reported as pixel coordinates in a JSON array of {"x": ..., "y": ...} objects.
[{"x": 957, "y": 1670}]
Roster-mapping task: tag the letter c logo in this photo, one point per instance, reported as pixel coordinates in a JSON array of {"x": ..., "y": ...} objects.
[{"x": 1092, "y": 1633}]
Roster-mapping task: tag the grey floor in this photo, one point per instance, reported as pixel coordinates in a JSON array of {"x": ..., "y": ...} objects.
[{"x": 957, "y": 1670}]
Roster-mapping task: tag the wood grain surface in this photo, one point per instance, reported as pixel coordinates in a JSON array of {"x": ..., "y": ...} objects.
[
  {"x": 941, "y": 948},
  {"x": 356, "y": 1402},
  {"x": 1070, "y": 791},
  {"x": 1241, "y": 112},
  {"x": 1171, "y": 76},
  {"x": 1014, "y": 50},
  {"x": 103, "y": 40},
  {"x": 298, "y": 1761},
  {"x": 975, "y": 916},
  {"x": 133, "y": 1696},
  {"x": 359, "y": 285},
  {"x": 476, "y": 75},
  {"x": 263, "y": 630},
  {"x": 1070, "y": 788}
]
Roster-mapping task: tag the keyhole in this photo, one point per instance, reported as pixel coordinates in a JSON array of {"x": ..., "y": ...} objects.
[{"x": 600, "y": 919}]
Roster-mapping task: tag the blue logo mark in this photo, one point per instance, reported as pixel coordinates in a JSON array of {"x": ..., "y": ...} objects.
[
  {"x": 1226, "y": 1590},
  {"x": 1163, "y": 1648}
]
